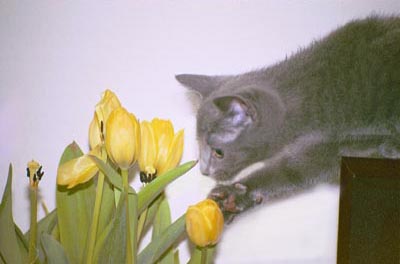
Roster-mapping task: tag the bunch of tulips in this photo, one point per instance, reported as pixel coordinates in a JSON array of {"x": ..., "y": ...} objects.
[{"x": 99, "y": 217}]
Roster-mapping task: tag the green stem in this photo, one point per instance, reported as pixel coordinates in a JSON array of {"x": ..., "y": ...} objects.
[
  {"x": 96, "y": 212},
  {"x": 33, "y": 226},
  {"x": 125, "y": 185},
  {"x": 142, "y": 221},
  {"x": 204, "y": 255}
]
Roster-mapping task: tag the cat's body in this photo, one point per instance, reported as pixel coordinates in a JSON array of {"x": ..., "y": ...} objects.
[{"x": 270, "y": 133}]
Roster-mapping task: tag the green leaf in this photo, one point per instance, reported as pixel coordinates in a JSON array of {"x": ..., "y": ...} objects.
[
  {"x": 133, "y": 218},
  {"x": 71, "y": 152},
  {"x": 176, "y": 257},
  {"x": 101, "y": 246},
  {"x": 54, "y": 252},
  {"x": 151, "y": 190},
  {"x": 56, "y": 233},
  {"x": 22, "y": 242},
  {"x": 11, "y": 250},
  {"x": 156, "y": 248},
  {"x": 161, "y": 222},
  {"x": 112, "y": 175},
  {"x": 117, "y": 194},
  {"x": 74, "y": 211},
  {"x": 149, "y": 217},
  {"x": 111, "y": 244},
  {"x": 162, "y": 219},
  {"x": 152, "y": 211},
  {"x": 154, "y": 188}
]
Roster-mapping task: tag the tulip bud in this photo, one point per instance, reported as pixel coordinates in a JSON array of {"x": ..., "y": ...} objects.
[
  {"x": 204, "y": 223},
  {"x": 122, "y": 138}
]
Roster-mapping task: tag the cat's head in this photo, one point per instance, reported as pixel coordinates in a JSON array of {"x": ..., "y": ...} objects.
[{"x": 231, "y": 123}]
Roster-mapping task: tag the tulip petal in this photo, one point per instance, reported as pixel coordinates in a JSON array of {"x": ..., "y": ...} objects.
[
  {"x": 94, "y": 133},
  {"x": 138, "y": 142},
  {"x": 214, "y": 220},
  {"x": 76, "y": 171},
  {"x": 148, "y": 153},
  {"x": 197, "y": 226},
  {"x": 108, "y": 103},
  {"x": 164, "y": 133},
  {"x": 174, "y": 155},
  {"x": 162, "y": 127},
  {"x": 164, "y": 143}
]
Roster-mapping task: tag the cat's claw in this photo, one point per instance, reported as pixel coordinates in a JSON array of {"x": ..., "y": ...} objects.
[
  {"x": 217, "y": 194},
  {"x": 240, "y": 187}
]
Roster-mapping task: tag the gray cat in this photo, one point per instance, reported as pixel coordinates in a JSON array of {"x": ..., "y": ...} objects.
[{"x": 271, "y": 133}]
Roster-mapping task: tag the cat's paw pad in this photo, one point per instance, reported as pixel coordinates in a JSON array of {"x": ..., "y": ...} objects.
[
  {"x": 233, "y": 199},
  {"x": 230, "y": 205}
]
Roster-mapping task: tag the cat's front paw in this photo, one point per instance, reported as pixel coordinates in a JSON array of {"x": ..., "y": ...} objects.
[{"x": 234, "y": 199}]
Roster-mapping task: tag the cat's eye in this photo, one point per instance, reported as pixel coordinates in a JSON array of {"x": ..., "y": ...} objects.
[{"x": 218, "y": 153}]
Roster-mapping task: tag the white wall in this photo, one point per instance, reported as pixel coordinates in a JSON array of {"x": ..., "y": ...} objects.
[{"x": 56, "y": 57}]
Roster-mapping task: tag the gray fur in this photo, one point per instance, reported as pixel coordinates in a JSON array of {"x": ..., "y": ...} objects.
[{"x": 282, "y": 129}]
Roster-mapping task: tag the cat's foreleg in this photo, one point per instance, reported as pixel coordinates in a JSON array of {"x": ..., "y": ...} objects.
[{"x": 305, "y": 162}]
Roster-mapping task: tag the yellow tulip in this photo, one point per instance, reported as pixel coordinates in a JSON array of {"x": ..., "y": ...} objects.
[
  {"x": 108, "y": 103},
  {"x": 204, "y": 223},
  {"x": 122, "y": 138},
  {"x": 161, "y": 148},
  {"x": 79, "y": 170}
]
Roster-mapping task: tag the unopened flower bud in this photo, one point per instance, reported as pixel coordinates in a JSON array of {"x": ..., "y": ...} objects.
[{"x": 204, "y": 223}]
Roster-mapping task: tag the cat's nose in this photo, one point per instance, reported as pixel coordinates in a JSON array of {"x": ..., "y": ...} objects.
[
  {"x": 205, "y": 160},
  {"x": 205, "y": 171},
  {"x": 204, "y": 168}
]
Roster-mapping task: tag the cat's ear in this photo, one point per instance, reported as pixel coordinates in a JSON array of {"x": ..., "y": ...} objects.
[
  {"x": 202, "y": 84},
  {"x": 236, "y": 110}
]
